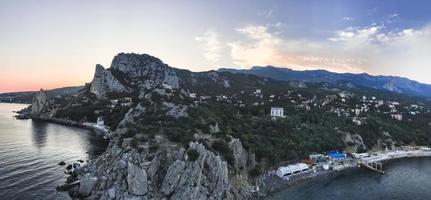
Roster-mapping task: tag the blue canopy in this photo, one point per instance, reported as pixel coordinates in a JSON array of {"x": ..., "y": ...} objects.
[{"x": 335, "y": 154}]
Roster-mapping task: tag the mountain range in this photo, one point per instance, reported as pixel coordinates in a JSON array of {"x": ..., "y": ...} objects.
[
  {"x": 387, "y": 83},
  {"x": 26, "y": 97}
]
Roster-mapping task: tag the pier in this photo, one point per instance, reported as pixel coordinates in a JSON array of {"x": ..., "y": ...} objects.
[{"x": 374, "y": 166}]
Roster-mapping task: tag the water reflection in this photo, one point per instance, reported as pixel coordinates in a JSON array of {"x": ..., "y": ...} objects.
[
  {"x": 30, "y": 151},
  {"x": 39, "y": 133}
]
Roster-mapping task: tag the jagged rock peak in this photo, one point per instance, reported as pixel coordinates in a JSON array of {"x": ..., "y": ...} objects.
[
  {"x": 129, "y": 62},
  {"x": 39, "y": 102},
  {"x": 104, "y": 82}
]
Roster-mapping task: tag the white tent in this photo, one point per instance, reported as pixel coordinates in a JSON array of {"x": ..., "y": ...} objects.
[
  {"x": 303, "y": 166},
  {"x": 291, "y": 169}
]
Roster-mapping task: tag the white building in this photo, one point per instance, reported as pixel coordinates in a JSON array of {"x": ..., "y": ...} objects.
[
  {"x": 398, "y": 117},
  {"x": 100, "y": 122},
  {"x": 258, "y": 91},
  {"x": 356, "y": 121},
  {"x": 192, "y": 95},
  {"x": 277, "y": 112},
  {"x": 357, "y": 111}
]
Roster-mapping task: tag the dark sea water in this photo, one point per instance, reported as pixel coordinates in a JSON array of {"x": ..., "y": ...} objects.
[
  {"x": 30, "y": 152},
  {"x": 406, "y": 179}
]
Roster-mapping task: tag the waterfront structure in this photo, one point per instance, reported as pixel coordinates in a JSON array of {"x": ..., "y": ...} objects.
[
  {"x": 336, "y": 155},
  {"x": 291, "y": 169}
]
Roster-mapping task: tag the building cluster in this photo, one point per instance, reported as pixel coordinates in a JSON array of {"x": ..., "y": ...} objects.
[
  {"x": 332, "y": 160},
  {"x": 343, "y": 104}
]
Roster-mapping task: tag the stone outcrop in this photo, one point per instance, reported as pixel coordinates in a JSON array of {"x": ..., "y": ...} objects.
[
  {"x": 104, "y": 82},
  {"x": 172, "y": 177},
  {"x": 39, "y": 103},
  {"x": 87, "y": 184},
  {"x": 130, "y": 72},
  {"x": 206, "y": 177},
  {"x": 167, "y": 173},
  {"x": 137, "y": 180},
  {"x": 239, "y": 154},
  {"x": 354, "y": 141}
]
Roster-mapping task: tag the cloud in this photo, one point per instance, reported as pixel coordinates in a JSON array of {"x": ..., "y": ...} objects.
[
  {"x": 401, "y": 52},
  {"x": 370, "y": 49},
  {"x": 259, "y": 45},
  {"x": 358, "y": 35},
  {"x": 266, "y": 13},
  {"x": 211, "y": 45}
]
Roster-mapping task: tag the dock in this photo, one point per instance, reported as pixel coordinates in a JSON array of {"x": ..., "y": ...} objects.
[{"x": 374, "y": 166}]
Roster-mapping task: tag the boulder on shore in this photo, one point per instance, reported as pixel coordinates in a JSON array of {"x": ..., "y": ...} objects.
[
  {"x": 137, "y": 180},
  {"x": 87, "y": 184}
]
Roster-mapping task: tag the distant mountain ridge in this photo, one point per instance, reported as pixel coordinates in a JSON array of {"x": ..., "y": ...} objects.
[
  {"x": 388, "y": 83},
  {"x": 26, "y": 97}
]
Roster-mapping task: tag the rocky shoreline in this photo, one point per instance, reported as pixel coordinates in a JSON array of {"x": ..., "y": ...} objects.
[
  {"x": 114, "y": 175},
  {"x": 71, "y": 123}
]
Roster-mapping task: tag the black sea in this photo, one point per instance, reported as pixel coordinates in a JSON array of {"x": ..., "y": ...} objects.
[
  {"x": 405, "y": 179},
  {"x": 30, "y": 152}
]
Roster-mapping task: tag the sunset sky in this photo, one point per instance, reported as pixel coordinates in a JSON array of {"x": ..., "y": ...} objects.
[{"x": 50, "y": 44}]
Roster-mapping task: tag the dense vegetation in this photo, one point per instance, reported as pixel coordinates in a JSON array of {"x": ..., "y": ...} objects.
[{"x": 273, "y": 141}]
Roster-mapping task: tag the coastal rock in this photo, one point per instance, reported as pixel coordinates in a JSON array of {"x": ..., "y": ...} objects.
[
  {"x": 205, "y": 178},
  {"x": 62, "y": 196},
  {"x": 239, "y": 154},
  {"x": 137, "y": 180},
  {"x": 39, "y": 103},
  {"x": 172, "y": 177},
  {"x": 87, "y": 184}
]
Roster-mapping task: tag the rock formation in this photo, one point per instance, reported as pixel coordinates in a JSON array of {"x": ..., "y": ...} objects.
[
  {"x": 132, "y": 73},
  {"x": 169, "y": 174},
  {"x": 104, "y": 82},
  {"x": 355, "y": 141},
  {"x": 136, "y": 180},
  {"x": 39, "y": 103}
]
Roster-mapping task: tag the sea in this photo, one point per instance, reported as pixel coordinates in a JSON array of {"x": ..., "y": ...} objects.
[{"x": 31, "y": 150}]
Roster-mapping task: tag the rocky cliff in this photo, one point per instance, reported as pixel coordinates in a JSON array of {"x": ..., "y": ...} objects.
[
  {"x": 104, "y": 82},
  {"x": 145, "y": 159},
  {"x": 165, "y": 170},
  {"x": 39, "y": 103},
  {"x": 132, "y": 73}
]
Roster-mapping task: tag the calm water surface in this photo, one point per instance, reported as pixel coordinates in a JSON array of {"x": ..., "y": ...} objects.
[
  {"x": 30, "y": 152},
  {"x": 407, "y": 179}
]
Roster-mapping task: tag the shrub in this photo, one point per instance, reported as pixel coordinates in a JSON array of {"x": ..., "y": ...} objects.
[
  {"x": 193, "y": 154},
  {"x": 154, "y": 148},
  {"x": 255, "y": 171},
  {"x": 222, "y": 147}
]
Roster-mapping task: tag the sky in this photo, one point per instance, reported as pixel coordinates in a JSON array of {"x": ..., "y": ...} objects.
[{"x": 51, "y": 44}]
